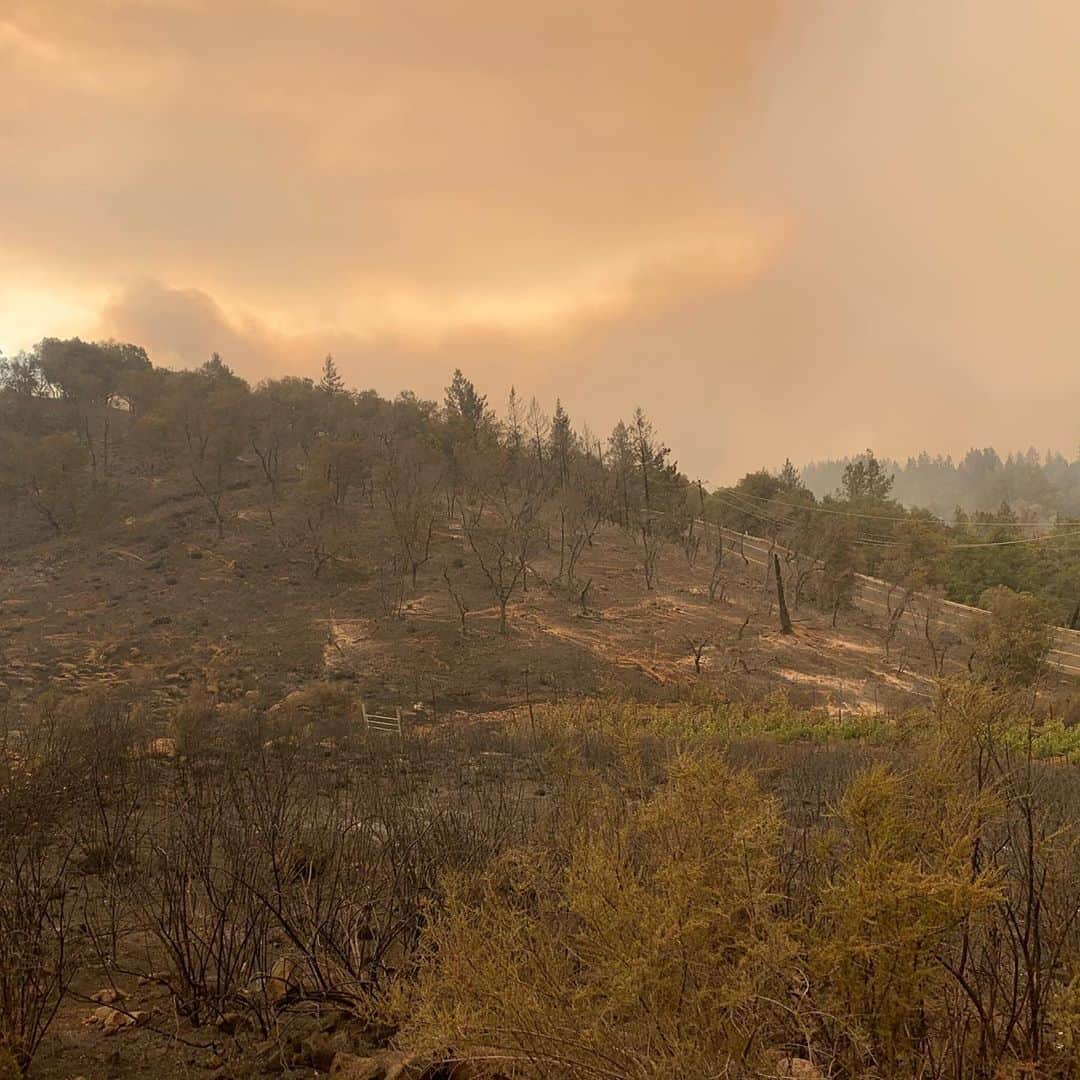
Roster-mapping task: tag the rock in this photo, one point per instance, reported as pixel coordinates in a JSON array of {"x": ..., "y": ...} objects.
[
  {"x": 98, "y": 1017},
  {"x": 112, "y": 1020},
  {"x": 284, "y": 976},
  {"x": 108, "y": 996},
  {"x": 121, "y": 1021},
  {"x": 799, "y": 1069},
  {"x": 161, "y": 620}
]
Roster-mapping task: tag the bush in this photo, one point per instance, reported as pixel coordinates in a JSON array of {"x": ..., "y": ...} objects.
[{"x": 645, "y": 943}]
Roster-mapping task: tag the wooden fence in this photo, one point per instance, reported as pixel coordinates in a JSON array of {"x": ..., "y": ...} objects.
[{"x": 381, "y": 723}]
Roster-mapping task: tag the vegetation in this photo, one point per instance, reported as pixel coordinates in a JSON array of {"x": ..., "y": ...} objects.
[
  {"x": 1041, "y": 485},
  {"x": 863, "y": 527},
  {"x": 89, "y": 428},
  {"x": 715, "y": 884},
  {"x": 618, "y": 891}
]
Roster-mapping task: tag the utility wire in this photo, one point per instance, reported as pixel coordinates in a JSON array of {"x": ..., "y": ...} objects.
[
  {"x": 871, "y": 541},
  {"x": 883, "y": 517}
]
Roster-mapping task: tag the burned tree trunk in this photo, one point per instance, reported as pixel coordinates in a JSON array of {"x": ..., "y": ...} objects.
[{"x": 785, "y": 619}]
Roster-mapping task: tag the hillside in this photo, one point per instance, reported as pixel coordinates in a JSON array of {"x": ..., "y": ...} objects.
[
  {"x": 179, "y": 533},
  {"x": 163, "y": 607},
  {"x": 634, "y": 733}
]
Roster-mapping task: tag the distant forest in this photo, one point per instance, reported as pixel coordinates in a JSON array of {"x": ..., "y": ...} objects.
[{"x": 1034, "y": 485}]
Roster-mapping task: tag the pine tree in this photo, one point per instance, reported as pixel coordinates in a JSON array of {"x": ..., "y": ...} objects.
[
  {"x": 790, "y": 478},
  {"x": 621, "y": 461},
  {"x": 464, "y": 403},
  {"x": 560, "y": 441},
  {"x": 514, "y": 422},
  {"x": 216, "y": 368},
  {"x": 331, "y": 382}
]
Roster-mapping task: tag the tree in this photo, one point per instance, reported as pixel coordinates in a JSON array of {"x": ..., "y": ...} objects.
[
  {"x": 500, "y": 523},
  {"x": 659, "y": 505},
  {"x": 515, "y": 423},
  {"x": 913, "y": 559},
  {"x": 21, "y": 376},
  {"x": 620, "y": 459},
  {"x": 1013, "y": 644},
  {"x": 50, "y": 473},
  {"x": 408, "y": 478},
  {"x": 789, "y": 478},
  {"x": 331, "y": 382},
  {"x": 561, "y": 443},
  {"x": 500, "y": 547},
  {"x": 785, "y": 619},
  {"x": 216, "y": 368},
  {"x": 940, "y": 637},
  {"x": 207, "y": 415},
  {"x": 465, "y": 406},
  {"x": 714, "y": 540},
  {"x": 90, "y": 376},
  {"x": 865, "y": 479},
  {"x": 838, "y": 568}
]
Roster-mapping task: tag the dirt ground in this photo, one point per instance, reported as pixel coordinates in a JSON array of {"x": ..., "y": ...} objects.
[{"x": 163, "y": 606}]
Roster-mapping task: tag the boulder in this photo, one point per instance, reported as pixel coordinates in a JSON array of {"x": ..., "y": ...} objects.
[
  {"x": 111, "y": 1021},
  {"x": 284, "y": 976}
]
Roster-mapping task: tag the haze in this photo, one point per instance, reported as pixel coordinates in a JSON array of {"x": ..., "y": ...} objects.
[{"x": 785, "y": 229}]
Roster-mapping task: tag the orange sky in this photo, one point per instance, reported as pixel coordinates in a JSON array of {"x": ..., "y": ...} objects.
[{"x": 784, "y": 227}]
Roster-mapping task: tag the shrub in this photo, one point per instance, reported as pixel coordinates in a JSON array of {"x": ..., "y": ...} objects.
[{"x": 646, "y": 943}]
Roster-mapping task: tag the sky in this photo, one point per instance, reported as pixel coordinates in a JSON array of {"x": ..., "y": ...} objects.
[{"x": 785, "y": 228}]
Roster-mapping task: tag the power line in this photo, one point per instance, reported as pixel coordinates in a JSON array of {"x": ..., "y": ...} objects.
[
  {"x": 871, "y": 541},
  {"x": 882, "y": 517},
  {"x": 1024, "y": 540}
]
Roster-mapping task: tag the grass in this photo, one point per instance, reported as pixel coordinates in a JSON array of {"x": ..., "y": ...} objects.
[
  {"x": 717, "y": 721},
  {"x": 597, "y": 721}
]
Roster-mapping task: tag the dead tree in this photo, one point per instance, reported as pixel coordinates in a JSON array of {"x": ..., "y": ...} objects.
[
  {"x": 895, "y": 615},
  {"x": 936, "y": 631},
  {"x": 500, "y": 548},
  {"x": 716, "y": 579},
  {"x": 583, "y": 598},
  {"x": 459, "y": 600},
  {"x": 785, "y": 619},
  {"x": 698, "y": 647}
]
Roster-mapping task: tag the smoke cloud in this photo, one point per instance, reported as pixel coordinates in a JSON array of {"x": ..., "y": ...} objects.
[{"x": 783, "y": 229}]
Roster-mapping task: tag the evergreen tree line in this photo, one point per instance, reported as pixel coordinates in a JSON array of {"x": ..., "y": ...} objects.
[{"x": 1035, "y": 485}]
